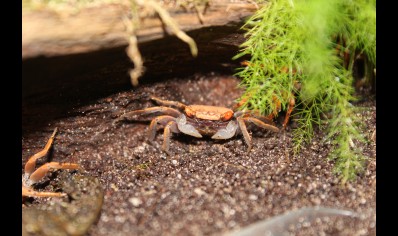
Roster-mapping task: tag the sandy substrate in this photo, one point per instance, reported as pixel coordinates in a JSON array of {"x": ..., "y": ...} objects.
[{"x": 205, "y": 187}]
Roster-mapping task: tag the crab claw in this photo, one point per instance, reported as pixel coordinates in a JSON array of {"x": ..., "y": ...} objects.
[
  {"x": 187, "y": 128},
  {"x": 226, "y": 133}
]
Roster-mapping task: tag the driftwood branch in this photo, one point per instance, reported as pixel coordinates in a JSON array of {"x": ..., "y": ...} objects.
[{"x": 48, "y": 32}]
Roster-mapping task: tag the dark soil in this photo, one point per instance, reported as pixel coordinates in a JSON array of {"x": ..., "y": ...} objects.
[{"x": 206, "y": 187}]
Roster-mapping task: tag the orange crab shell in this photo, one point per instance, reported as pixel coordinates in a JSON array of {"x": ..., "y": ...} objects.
[{"x": 209, "y": 112}]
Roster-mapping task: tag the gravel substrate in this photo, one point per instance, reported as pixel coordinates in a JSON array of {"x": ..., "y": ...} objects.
[{"x": 205, "y": 187}]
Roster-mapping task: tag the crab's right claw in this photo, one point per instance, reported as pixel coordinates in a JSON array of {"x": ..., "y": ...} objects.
[
  {"x": 187, "y": 128},
  {"x": 226, "y": 133}
]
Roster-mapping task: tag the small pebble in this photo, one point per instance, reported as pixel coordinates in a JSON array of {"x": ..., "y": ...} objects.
[{"x": 135, "y": 201}]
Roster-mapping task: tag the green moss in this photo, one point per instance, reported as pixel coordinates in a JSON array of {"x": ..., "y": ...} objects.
[{"x": 294, "y": 43}]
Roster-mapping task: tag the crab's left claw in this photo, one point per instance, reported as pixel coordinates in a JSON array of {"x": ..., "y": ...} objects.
[
  {"x": 187, "y": 128},
  {"x": 226, "y": 133}
]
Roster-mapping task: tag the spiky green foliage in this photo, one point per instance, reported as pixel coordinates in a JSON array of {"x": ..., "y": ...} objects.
[
  {"x": 293, "y": 43},
  {"x": 272, "y": 47},
  {"x": 361, "y": 26},
  {"x": 344, "y": 129}
]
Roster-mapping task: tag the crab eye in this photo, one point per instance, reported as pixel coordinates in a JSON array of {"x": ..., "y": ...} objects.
[
  {"x": 189, "y": 112},
  {"x": 227, "y": 116}
]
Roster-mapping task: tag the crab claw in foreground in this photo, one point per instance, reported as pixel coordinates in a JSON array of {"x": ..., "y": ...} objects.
[{"x": 32, "y": 176}]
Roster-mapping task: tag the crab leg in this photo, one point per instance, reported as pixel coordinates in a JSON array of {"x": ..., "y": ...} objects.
[
  {"x": 261, "y": 124},
  {"x": 256, "y": 114},
  {"x": 163, "y": 120},
  {"x": 170, "y": 127},
  {"x": 246, "y": 135},
  {"x": 28, "y": 192},
  {"x": 31, "y": 163},
  {"x": 151, "y": 110},
  {"x": 169, "y": 103},
  {"x": 292, "y": 102},
  {"x": 42, "y": 170}
]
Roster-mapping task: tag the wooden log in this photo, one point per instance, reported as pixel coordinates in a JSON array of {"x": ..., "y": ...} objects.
[{"x": 51, "y": 32}]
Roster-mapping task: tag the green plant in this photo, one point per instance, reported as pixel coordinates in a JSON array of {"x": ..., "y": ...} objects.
[{"x": 293, "y": 53}]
